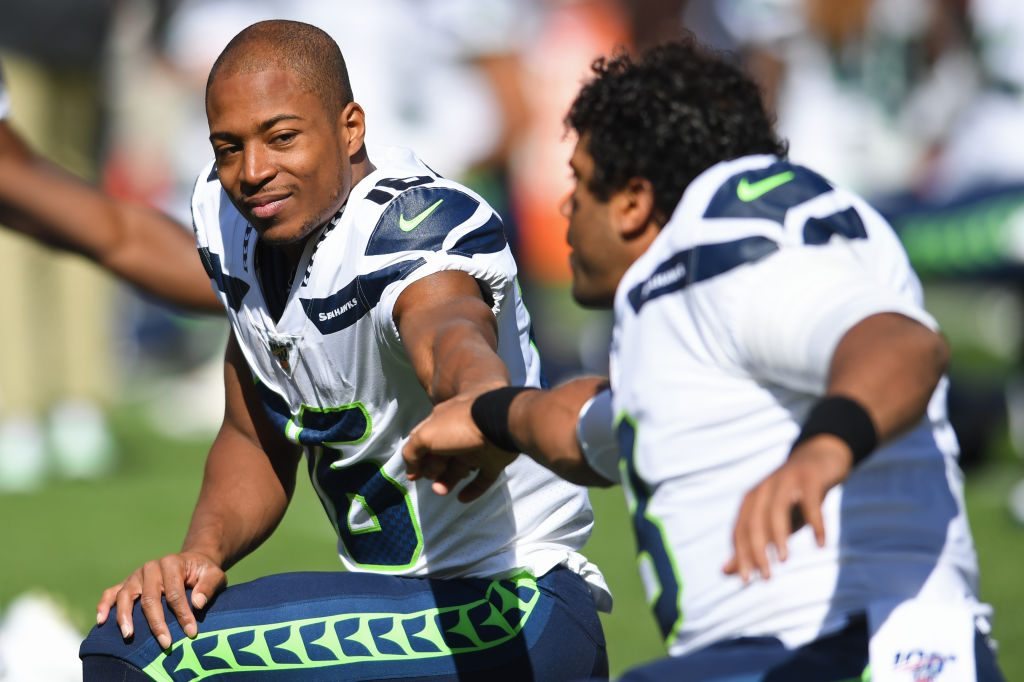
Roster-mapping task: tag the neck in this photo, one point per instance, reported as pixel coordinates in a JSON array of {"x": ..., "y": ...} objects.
[
  {"x": 361, "y": 166},
  {"x": 292, "y": 253}
]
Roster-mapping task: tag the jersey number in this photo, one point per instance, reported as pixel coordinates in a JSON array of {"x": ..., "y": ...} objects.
[
  {"x": 382, "y": 196},
  {"x": 651, "y": 546},
  {"x": 371, "y": 511}
]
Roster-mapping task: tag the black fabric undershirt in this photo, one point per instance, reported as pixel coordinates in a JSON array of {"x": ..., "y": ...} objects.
[{"x": 275, "y": 277}]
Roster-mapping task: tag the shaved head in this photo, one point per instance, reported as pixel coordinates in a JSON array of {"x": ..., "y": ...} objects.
[{"x": 305, "y": 50}]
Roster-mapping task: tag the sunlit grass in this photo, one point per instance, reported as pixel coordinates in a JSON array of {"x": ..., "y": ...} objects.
[{"x": 72, "y": 539}]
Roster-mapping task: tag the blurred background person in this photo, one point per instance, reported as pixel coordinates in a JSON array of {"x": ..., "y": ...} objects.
[
  {"x": 569, "y": 37},
  {"x": 58, "y": 371}
]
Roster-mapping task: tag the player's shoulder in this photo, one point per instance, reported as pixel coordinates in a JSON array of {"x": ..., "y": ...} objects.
[
  {"x": 207, "y": 191},
  {"x": 406, "y": 206},
  {"x": 214, "y": 217},
  {"x": 738, "y": 212},
  {"x": 207, "y": 178},
  {"x": 760, "y": 187}
]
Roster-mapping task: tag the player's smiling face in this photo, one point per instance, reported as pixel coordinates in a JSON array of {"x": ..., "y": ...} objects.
[{"x": 281, "y": 159}]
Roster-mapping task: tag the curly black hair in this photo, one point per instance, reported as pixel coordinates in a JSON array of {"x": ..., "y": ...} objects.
[{"x": 667, "y": 117}]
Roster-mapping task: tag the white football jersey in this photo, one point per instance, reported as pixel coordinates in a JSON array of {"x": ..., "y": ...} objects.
[
  {"x": 724, "y": 330},
  {"x": 334, "y": 376}
]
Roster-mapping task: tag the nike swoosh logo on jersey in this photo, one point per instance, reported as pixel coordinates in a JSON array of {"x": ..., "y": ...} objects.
[
  {"x": 410, "y": 225},
  {"x": 748, "y": 191}
]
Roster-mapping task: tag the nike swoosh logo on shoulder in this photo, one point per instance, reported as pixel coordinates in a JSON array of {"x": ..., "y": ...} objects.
[
  {"x": 749, "y": 191},
  {"x": 411, "y": 224}
]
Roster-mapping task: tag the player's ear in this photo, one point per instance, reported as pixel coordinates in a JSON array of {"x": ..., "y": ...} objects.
[
  {"x": 634, "y": 204},
  {"x": 352, "y": 125}
]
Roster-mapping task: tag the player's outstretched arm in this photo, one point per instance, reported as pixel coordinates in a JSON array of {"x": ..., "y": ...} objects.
[
  {"x": 545, "y": 424},
  {"x": 248, "y": 482},
  {"x": 451, "y": 338},
  {"x": 539, "y": 423},
  {"x": 450, "y": 335},
  {"x": 881, "y": 378},
  {"x": 142, "y": 246}
]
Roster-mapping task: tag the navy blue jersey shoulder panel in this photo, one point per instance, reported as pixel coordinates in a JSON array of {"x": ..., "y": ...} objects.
[
  {"x": 488, "y": 238},
  {"x": 766, "y": 193},
  {"x": 844, "y": 223},
  {"x": 698, "y": 264},
  {"x": 419, "y": 219}
]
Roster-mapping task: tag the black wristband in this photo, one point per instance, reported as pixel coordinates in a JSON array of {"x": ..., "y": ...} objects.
[
  {"x": 845, "y": 419},
  {"x": 490, "y": 413}
]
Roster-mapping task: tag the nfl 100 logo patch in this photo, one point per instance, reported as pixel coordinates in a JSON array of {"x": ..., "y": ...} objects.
[
  {"x": 920, "y": 640},
  {"x": 922, "y": 666}
]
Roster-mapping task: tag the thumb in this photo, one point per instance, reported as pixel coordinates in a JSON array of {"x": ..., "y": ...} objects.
[
  {"x": 416, "y": 454},
  {"x": 210, "y": 583},
  {"x": 478, "y": 486}
]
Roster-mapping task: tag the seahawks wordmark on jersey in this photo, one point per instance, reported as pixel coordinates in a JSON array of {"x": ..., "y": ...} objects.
[{"x": 334, "y": 376}]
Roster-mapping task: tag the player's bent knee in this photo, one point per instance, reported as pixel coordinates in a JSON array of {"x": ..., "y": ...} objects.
[
  {"x": 111, "y": 669},
  {"x": 364, "y": 626}
]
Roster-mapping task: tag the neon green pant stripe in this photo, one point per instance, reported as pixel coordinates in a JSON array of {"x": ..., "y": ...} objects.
[{"x": 402, "y": 628}]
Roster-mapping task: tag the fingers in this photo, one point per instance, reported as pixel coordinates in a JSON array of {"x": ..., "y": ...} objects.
[
  {"x": 454, "y": 471},
  {"x": 150, "y": 599},
  {"x": 211, "y": 581},
  {"x": 176, "y": 579},
  {"x": 447, "y": 447},
  {"x": 484, "y": 469},
  {"x": 449, "y": 432},
  {"x": 433, "y": 466},
  {"x": 416, "y": 455},
  {"x": 772, "y": 511},
  {"x": 779, "y": 511},
  {"x": 422, "y": 462},
  {"x": 478, "y": 486},
  {"x": 124, "y": 599},
  {"x": 490, "y": 466},
  {"x": 412, "y": 464},
  {"x": 810, "y": 510},
  {"x": 750, "y": 535},
  {"x": 107, "y": 600},
  {"x": 163, "y": 580}
]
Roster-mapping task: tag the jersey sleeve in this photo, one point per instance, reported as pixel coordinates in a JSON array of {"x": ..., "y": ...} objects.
[
  {"x": 596, "y": 436},
  {"x": 207, "y": 209},
  {"x": 205, "y": 199},
  {"x": 439, "y": 228},
  {"x": 792, "y": 309}
]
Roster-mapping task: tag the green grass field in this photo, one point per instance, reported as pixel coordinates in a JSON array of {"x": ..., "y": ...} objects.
[{"x": 74, "y": 538}]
